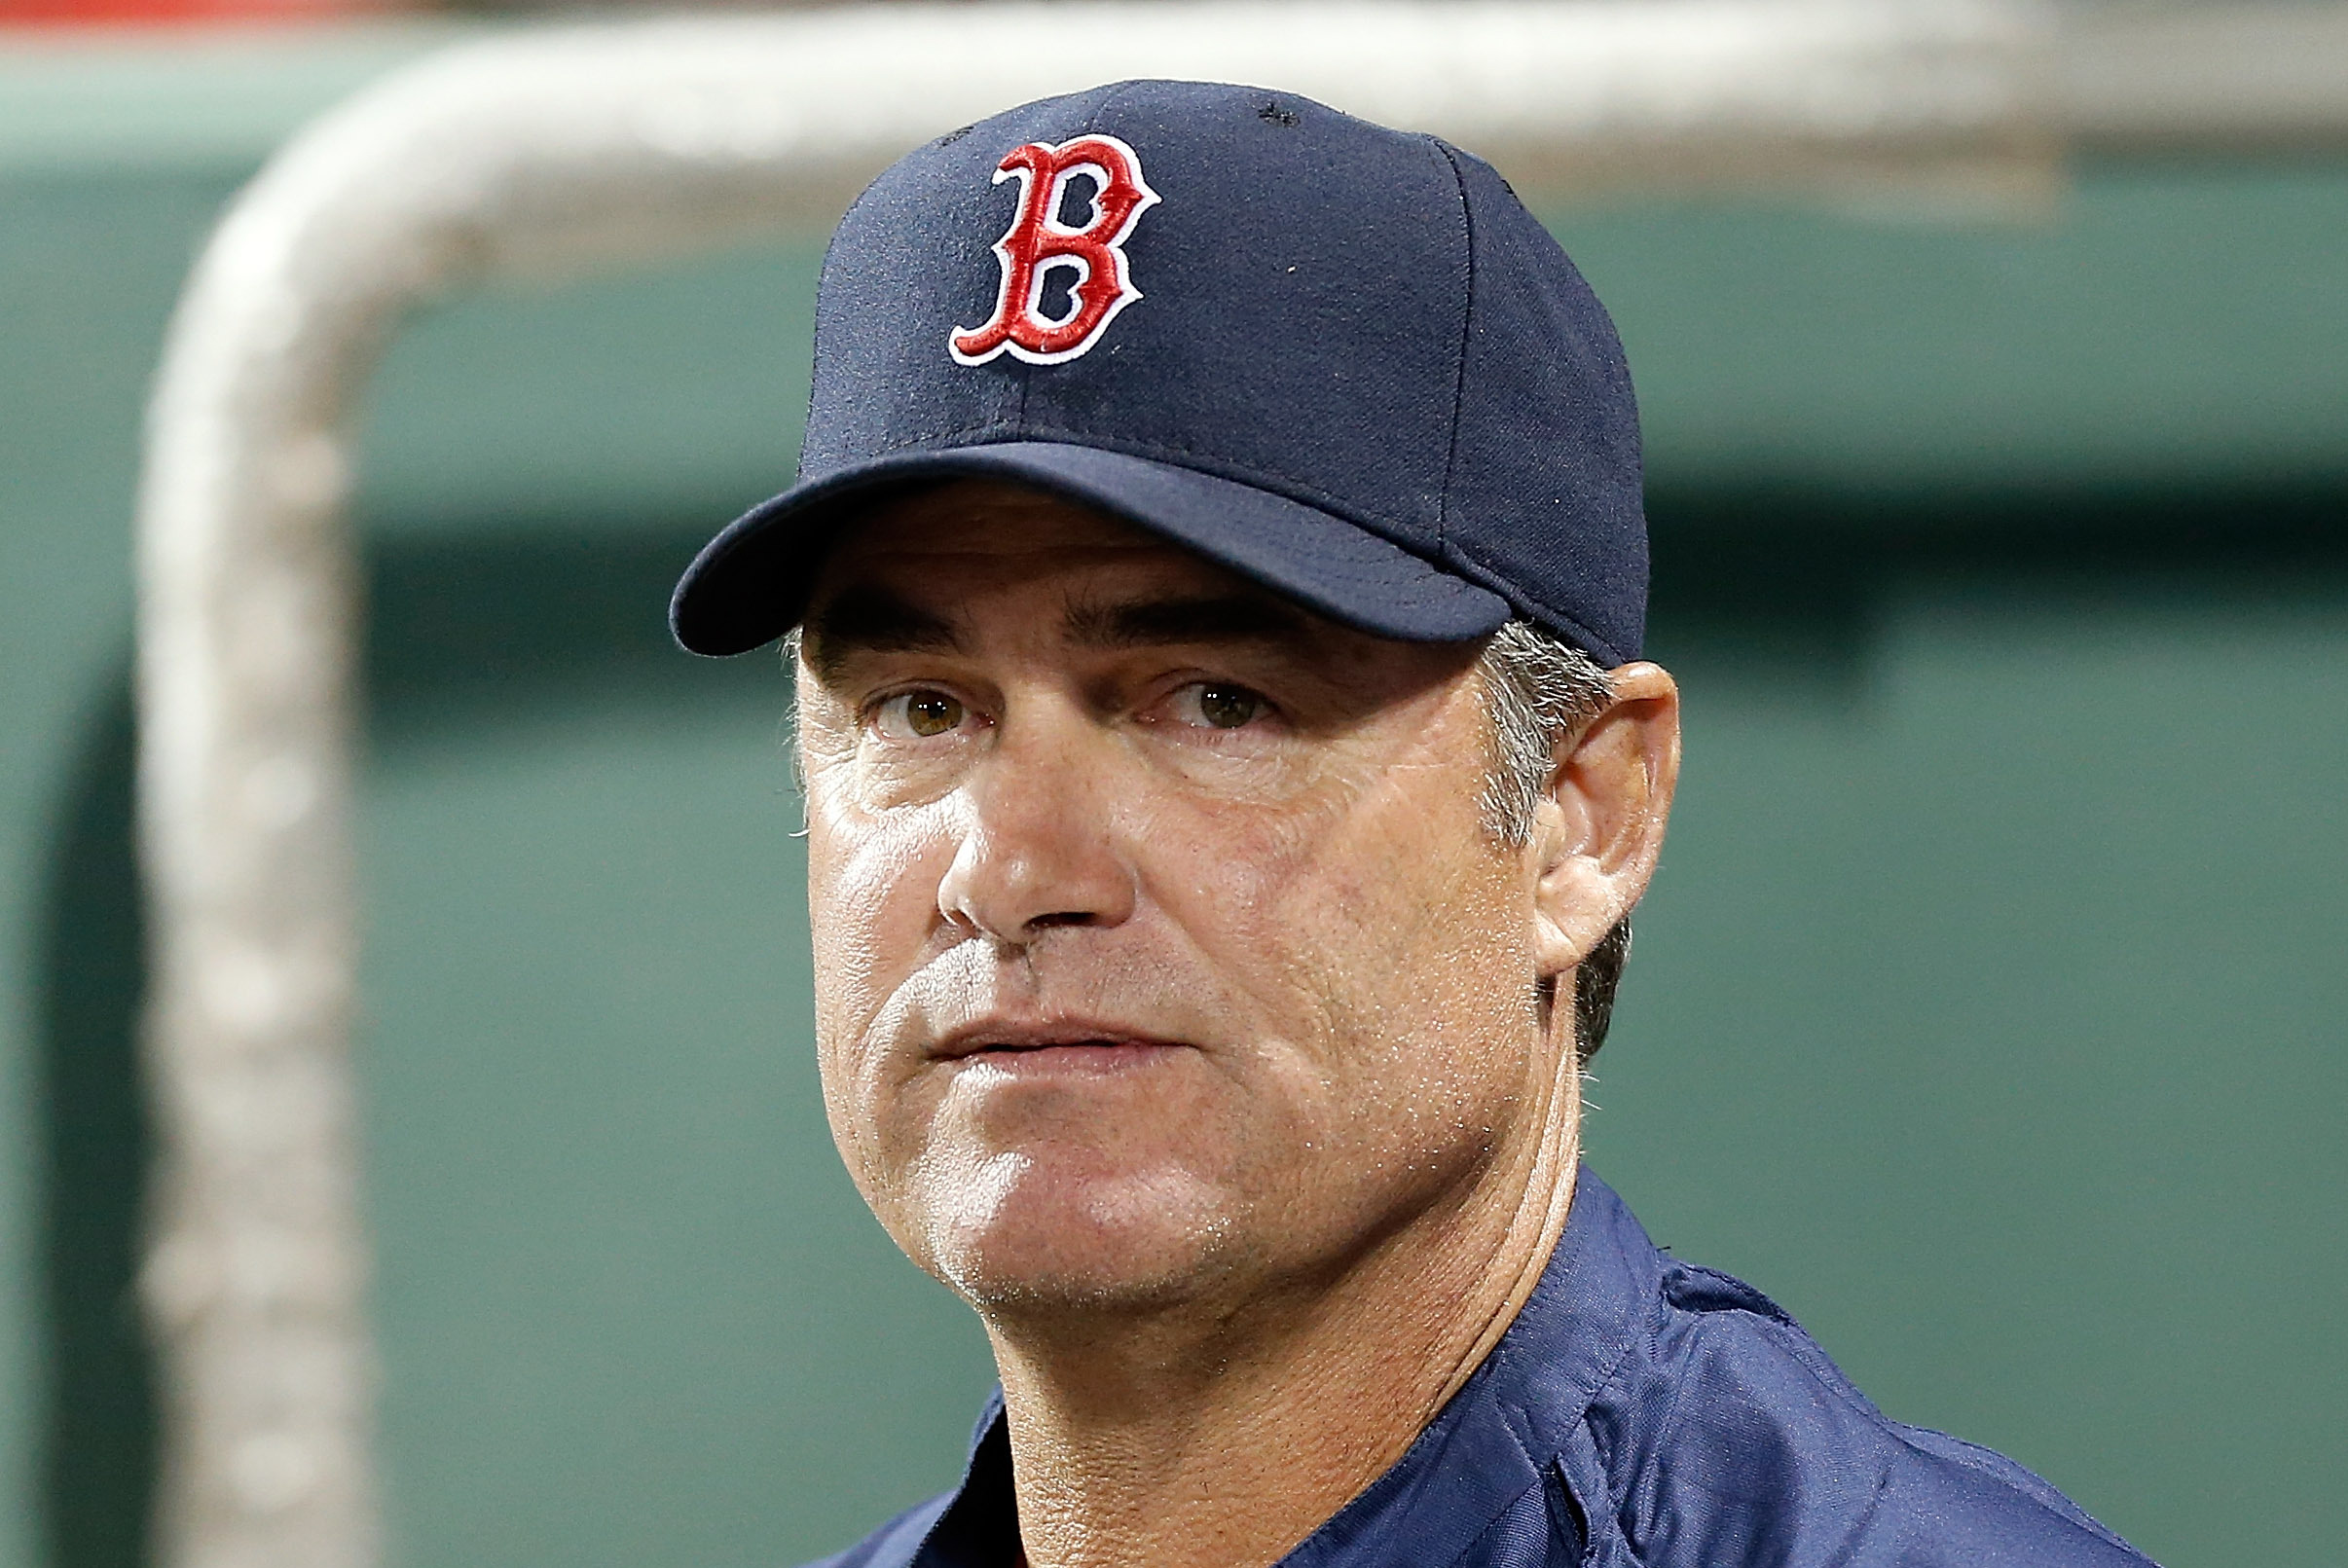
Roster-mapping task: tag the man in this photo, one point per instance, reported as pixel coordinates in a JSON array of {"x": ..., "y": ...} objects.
[{"x": 1215, "y": 586}]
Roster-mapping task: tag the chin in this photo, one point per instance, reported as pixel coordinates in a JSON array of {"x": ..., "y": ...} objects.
[{"x": 1018, "y": 1233}]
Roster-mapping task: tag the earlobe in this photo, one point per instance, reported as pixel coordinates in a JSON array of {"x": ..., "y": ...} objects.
[{"x": 1597, "y": 837}]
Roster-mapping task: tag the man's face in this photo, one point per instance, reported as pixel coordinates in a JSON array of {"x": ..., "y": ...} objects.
[{"x": 1161, "y": 950}]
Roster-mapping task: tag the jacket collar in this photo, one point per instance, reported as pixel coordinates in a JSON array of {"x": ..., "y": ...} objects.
[{"x": 1482, "y": 1450}]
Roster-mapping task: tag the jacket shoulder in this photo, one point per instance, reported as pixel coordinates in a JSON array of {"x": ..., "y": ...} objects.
[
  {"x": 1734, "y": 1439},
  {"x": 895, "y": 1544}
]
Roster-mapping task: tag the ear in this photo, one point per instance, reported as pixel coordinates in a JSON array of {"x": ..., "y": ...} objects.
[{"x": 1598, "y": 833}]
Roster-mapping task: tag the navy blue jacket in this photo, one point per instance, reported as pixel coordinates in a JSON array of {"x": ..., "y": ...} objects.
[{"x": 1639, "y": 1412}]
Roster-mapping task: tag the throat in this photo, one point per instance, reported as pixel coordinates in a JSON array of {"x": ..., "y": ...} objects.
[{"x": 1222, "y": 1439}]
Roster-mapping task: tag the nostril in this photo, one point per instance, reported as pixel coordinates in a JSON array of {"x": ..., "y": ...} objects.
[{"x": 1065, "y": 917}]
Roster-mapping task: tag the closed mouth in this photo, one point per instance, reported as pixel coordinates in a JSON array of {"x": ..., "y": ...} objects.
[{"x": 1004, "y": 1040}]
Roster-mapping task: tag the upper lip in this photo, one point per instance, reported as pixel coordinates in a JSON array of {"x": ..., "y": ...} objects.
[{"x": 1031, "y": 1035}]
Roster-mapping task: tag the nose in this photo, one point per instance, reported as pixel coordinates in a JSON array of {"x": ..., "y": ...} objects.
[{"x": 1040, "y": 845}]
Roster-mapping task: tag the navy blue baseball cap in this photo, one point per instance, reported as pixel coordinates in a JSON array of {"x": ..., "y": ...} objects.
[{"x": 1340, "y": 360}]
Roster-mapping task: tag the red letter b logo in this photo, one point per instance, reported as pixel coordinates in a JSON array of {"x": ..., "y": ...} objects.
[{"x": 1092, "y": 256}]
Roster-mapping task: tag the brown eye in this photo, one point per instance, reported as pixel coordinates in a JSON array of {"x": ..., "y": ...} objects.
[
  {"x": 931, "y": 712},
  {"x": 919, "y": 715},
  {"x": 1226, "y": 707}
]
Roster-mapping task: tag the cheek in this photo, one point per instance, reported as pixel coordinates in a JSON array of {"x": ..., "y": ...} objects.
[
  {"x": 872, "y": 907},
  {"x": 1379, "y": 889},
  {"x": 1379, "y": 936}
]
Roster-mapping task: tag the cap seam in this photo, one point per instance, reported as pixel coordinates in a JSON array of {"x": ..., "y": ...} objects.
[
  {"x": 1467, "y": 321},
  {"x": 815, "y": 340},
  {"x": 1461, "y": 564}
]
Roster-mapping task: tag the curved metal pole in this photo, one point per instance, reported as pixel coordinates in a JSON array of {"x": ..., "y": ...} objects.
[{"x": 576, "y": 149}]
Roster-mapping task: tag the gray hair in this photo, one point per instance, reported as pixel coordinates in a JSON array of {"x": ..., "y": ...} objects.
[{"x": 1540, "y": 692}]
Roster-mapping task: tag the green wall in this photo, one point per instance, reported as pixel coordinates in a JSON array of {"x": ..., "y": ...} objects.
[{"x": 1984, "y": 1013}]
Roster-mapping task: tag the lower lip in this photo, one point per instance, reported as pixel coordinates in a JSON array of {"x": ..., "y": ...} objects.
[{"x": 1098, "y": 1058}]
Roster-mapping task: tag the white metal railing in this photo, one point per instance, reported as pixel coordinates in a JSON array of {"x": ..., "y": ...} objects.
[{"x": 581, "y": 148}]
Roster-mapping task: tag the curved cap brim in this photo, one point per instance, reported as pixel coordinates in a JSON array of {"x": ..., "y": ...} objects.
[{"x": 750, "y": 585}]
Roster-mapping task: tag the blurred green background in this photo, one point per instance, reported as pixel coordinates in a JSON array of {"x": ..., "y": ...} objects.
[{"x": 1987, "y": 1013}]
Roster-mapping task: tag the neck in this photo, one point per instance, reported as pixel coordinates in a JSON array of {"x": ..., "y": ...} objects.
[{"x": 1222, "y": 1436}]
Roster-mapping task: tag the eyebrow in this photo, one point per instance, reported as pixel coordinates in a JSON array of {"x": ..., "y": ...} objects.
[{"x": 871, "y": 620}]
